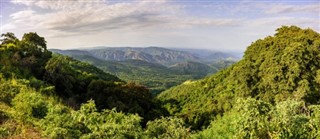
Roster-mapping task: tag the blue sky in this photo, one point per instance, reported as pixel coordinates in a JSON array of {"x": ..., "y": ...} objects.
[{"x": 219, "y": 25}]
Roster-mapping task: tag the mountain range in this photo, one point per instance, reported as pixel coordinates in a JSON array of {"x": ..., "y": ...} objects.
[
  {"x": 155, "y": 67},
  {"x": 164, "y": 56}
]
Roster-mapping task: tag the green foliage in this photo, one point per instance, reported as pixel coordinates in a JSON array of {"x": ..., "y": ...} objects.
[
  {"x": 26, "y": 57},
  {"x": 129, "y": 97},
  {"x": 72, "y": 77},
  {"x": 108, "y": 123},
  {"x": 167, "y": 128},
  {"x": 272, "y": 93},
  {"x": 8, "y": 89},
  {"x": 89, "y": 123},
  {"x": 257, "y": 119},
  {"x": 274, "y": 69},
  {"x": 32, "y": 108},
  {"x": 29, "y": 103},
  {"x": 196, "y": 69},
  {"x": 3, "y": 130}
]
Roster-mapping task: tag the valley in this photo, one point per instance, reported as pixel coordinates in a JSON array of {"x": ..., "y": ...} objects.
[
  {"x": 154, "y": 67},
  {"x": 271, "y": 92},
  {"x": 159, "y": 69}
]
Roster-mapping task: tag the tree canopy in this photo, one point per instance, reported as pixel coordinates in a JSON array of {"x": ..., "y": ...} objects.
[{"x": 273, "y": 69}]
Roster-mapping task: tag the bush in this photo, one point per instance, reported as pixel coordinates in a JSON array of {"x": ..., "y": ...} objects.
[
  {"x": 167, "y": 128},
  {"x": 108, "y": 123},
  {"x": 59, "y": 124},
  {"x": 257, "y": 119},
  {"x": 30, "y": 104},
  {"x": 10, "y": 88},
  {"x": 87, "y": 122}
]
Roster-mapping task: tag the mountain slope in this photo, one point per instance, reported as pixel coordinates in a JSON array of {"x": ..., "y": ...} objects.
[
  {"x": 273, "y": 69},
  {"x": 211, "y": 55},
  {"x": 149, "y": 54},
  {"x": 196, "y": 69}
]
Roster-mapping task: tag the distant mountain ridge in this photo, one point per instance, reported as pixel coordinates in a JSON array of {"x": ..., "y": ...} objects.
[{"x": 158, "y": 55}]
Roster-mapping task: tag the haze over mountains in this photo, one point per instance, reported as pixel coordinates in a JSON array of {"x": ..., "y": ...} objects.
[{"x": 158, "y": 55}]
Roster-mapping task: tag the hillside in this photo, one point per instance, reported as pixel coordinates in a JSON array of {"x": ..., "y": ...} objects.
[
  {"x": 274, "y": 69},
  {"x": 196, "y": 69},
  {"x": 54, "y": 96}
]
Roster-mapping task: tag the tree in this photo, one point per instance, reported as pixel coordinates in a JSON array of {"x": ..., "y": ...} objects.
[{"x": 28, "y": 55}]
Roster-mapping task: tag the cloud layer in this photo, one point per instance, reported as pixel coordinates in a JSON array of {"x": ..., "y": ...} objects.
[{"x": 157, "y": 20}]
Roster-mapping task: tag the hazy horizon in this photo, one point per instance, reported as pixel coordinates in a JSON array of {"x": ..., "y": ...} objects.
[{"x": 214, "y": 25}]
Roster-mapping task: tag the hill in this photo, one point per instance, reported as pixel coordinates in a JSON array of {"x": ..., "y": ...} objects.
[
  {"x": 196, "y": 69},
  {"x": 54, "y": 96},
  {"x": 274, "y": 69}
]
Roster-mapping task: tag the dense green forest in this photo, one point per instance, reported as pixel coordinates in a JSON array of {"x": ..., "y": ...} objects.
[
  {"x": 281, "y": 72},
  {"x": 273, "y": 92}
]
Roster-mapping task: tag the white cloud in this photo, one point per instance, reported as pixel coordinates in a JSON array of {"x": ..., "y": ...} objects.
[
  {"x": 160, "y": 22},
  {"x": 8, "y": 27},
  {"x": 285, "y": 9},
  {"x": 58, "y": 4},
  {"x": 79, "y": 17},
  {"x": 280, "y": 21},
  {"x": 22, "y": 14}
]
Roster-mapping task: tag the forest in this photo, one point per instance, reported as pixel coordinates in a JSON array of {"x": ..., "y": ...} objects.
[{"x": 272, "y": 92}]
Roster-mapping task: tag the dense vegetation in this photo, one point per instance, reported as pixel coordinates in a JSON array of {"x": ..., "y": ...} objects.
[
  {"x": 273, "y": 92},
  {"x": 44, "y": 95},
  {"x": 29, "y": 113},
  {"x": 275, "y": 69}
]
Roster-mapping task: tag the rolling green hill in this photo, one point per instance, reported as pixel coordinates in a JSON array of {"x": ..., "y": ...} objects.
[
  {"x": 274, "y": 69},
  {"x": 196, "y": 69}
]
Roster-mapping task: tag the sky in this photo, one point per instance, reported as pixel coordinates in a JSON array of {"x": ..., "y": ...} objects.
[{"x": 226, "y": 25}]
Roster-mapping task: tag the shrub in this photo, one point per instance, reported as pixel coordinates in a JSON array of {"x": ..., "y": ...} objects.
[
  {"x": 30, "y": 104},
  {"x": 167, "y": 128}
]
